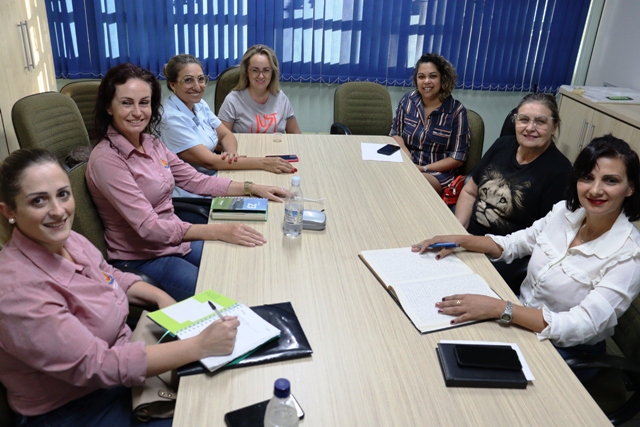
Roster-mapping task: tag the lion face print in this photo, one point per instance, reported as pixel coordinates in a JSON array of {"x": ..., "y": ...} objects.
[{"x": 498, "y": 198}]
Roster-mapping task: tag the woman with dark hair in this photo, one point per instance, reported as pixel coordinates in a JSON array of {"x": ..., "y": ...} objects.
[
  {"x": 66, "y": 357},
  {"x": 256, "y": 104},
  {"x": 431, "y": 126},
  {"x": 131, "y": 175},
  {"x": 191, "y": 130},
  {"x": 585, "y": 256},
  {"x": 518, "y": 180}
]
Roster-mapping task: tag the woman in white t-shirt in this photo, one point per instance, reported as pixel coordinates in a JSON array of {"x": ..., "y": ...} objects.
[{"x": 256, "y": 104}]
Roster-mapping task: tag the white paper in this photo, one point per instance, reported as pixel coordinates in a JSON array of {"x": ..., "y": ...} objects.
[
  {"x": 525, "y": 367},
  {"x": 369, "y": 152},
  {"x": 188, "y": 310}
]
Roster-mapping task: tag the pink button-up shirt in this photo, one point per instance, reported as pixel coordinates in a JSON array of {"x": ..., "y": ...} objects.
[
  {"x": 132, "y": 191},
  {"x": 62, "y": 325}
]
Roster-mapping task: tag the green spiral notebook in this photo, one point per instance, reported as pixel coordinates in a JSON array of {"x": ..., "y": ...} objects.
[{"x": 189, "y": 317}]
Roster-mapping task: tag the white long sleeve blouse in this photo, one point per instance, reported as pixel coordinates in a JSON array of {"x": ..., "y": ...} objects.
[{"x": 581, "y": 290}]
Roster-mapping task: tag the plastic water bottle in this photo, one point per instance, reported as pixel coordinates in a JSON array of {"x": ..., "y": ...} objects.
[
  {"x": 293, "y": 208},
  {"x": 280, "y": 411}
]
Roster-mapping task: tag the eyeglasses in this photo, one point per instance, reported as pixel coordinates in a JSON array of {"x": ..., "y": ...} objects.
[
  {"x": 190, "y": 80},
  {"x": 539, "y": 122},
  {"x": 255, "y": 72}
]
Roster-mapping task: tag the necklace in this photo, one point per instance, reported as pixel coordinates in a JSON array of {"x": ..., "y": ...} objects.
[{"x": 580, "y": 232}]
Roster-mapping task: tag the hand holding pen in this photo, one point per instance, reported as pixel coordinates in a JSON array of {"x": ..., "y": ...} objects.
[{"x": 445, "y": 244}]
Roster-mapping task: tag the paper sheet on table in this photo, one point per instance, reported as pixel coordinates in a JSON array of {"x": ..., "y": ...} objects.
[
  {"x": 369, "y": 152},
  {"x": 525, "y": 367}
]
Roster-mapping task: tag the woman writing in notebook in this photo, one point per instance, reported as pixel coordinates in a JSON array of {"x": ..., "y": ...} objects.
[
  {"x": 65, "y": 352},
  {"x": 131, "y": 175},
  {"x": 585, "y": 256}
]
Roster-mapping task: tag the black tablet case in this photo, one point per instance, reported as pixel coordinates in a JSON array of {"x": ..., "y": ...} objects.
[
  {"x": 463, "y": 376},
  {"x": 292, "y": 343}
]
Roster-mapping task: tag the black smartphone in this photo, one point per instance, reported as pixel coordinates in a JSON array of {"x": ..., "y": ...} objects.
[
  {"x": 388, "y": 149},
  {"x": 288, "y": 157},
  {"x": 487, "y": 356},
  {"x": 253, "y": 415}
]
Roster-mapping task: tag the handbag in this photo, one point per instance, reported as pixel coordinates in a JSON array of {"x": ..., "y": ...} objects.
[
  {"x": 452, "y": 191},
  {"x": 156, "y": 398}
]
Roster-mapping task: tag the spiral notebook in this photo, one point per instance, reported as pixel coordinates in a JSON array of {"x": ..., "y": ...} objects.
[{"x": 189, "y": 317}]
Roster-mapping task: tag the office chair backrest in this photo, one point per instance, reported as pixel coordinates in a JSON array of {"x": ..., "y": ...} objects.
[
  {"x": 7, "y": 416},
  {"x": 509, "y": 126},
  {"x": 85, "y": 95},
  {"x": 49, "y": 120},
  {"x": 363, "y": 107},
  {"x": 476, "y": 142},
  {"x": 225, "y": 84},
  {"x": 87, "y": 220}
]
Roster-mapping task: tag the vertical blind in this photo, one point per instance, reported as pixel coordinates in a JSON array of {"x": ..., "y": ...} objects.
[{"x": 508, "y": 45}]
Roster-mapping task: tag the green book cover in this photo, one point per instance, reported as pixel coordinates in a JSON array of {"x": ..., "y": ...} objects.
[
  {"x": 190, "y": 311},
  {"x": 239, "y": 204}
]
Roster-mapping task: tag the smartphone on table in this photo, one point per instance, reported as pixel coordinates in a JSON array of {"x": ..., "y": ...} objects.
[
  {"x": 253, "y": 415},
  {"x": 388, "y": 149},
  {"x": 488, "y": 356},
  {"x": 288, "y": 157}
]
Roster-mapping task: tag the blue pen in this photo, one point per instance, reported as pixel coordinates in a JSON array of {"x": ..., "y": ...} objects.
[{"x": 445, "y": 245}]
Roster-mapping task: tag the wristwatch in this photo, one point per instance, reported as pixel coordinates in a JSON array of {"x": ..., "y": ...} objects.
[
  {"x": 507, "y": 315},
  {"x": 247, "y": 188}
]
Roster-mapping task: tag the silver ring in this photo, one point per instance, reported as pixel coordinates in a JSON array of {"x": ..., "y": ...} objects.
[{"x": 458, "y": 302}]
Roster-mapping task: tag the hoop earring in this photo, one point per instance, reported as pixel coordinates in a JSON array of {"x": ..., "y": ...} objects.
[{"x": 12, "y": 221}]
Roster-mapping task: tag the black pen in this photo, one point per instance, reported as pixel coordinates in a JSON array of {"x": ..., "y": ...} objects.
[
  {"x": 445, "y": 245},
  {"x": 213, "y": 306}
]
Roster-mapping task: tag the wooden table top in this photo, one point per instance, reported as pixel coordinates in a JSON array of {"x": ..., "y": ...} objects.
[{"x": 370, "y": 366}]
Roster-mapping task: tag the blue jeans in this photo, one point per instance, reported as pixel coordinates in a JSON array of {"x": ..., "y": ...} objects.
[
  {"x": 578, "y": 350},
  {"x": 177, "y": 275},
  {"x": 107, "y": 407}
]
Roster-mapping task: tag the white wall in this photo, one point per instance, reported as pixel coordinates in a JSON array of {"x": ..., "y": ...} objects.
[{"x": 616, "y": 55}]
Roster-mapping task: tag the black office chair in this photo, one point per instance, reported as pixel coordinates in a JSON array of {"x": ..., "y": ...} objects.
[
  {"x": 509, "y": 126},
  {"x": 616, "y": 388}
]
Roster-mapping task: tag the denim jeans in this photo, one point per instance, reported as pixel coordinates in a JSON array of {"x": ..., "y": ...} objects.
[
  {"x": 177, "y": 275},
  {"x": 107, "y": 407}
]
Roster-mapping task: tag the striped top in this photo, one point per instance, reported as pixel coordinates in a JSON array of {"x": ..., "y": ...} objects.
[{"x": 444, "y": 133}]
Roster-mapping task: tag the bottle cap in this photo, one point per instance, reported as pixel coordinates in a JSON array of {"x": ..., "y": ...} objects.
[
  {"x": 295, "y": 180},
  {"x": 282, "y": 388}
]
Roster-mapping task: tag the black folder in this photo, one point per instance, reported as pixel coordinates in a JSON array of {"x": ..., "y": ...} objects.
[
  {"x": 456, "y": 375},
  {"x": 292, "y": 343}
]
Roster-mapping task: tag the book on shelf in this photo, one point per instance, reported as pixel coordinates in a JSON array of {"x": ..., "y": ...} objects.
[
  {"x": 418, "y": 281},
  {"x": 496, "y": 374},
  {"x": 239, "y": 208},
  {"x": 191, "y": 316}
]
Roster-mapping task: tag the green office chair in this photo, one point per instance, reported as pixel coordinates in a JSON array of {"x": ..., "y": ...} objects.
[
  {"x": 49, "y": 120},
  {"x": 476, "y": 142},
  {"x": 225, "y": 84},
  {"x": 616, "y": 388},
  {"x": 84, "y": 94},
  {"x": 362, "y": 108}
]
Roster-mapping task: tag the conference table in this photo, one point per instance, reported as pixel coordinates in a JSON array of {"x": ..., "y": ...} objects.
[{"x": 370, "y": 365}]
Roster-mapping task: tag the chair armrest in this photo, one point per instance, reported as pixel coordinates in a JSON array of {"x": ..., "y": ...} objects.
[
  {"x": 603, "y": 361},
  {"x": 631, "y": 407},
  {"x": 202, "y": 211},
  {"x": 340, "y": 129},
  {"x": 198, "y": 201}
]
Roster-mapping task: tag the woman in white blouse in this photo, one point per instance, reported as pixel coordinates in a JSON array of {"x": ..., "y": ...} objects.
[{"x": 585, "y": 256}]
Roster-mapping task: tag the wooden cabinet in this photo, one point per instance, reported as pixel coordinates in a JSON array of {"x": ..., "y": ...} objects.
[
  {"x": 26, "y": 61},
  {"x": 583, "y": 120}
]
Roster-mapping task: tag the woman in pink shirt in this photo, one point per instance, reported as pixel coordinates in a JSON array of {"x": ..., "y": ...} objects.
[
  {"x": 131, "y": 175},
  {"x": 66, "y": 357}
]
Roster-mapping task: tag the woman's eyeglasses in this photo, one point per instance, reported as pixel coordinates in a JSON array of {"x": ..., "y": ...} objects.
[
  {"x": 539, "y": 122},
  {"x": 255, "y": 72},
  {"x": 190, "y": 80}
]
